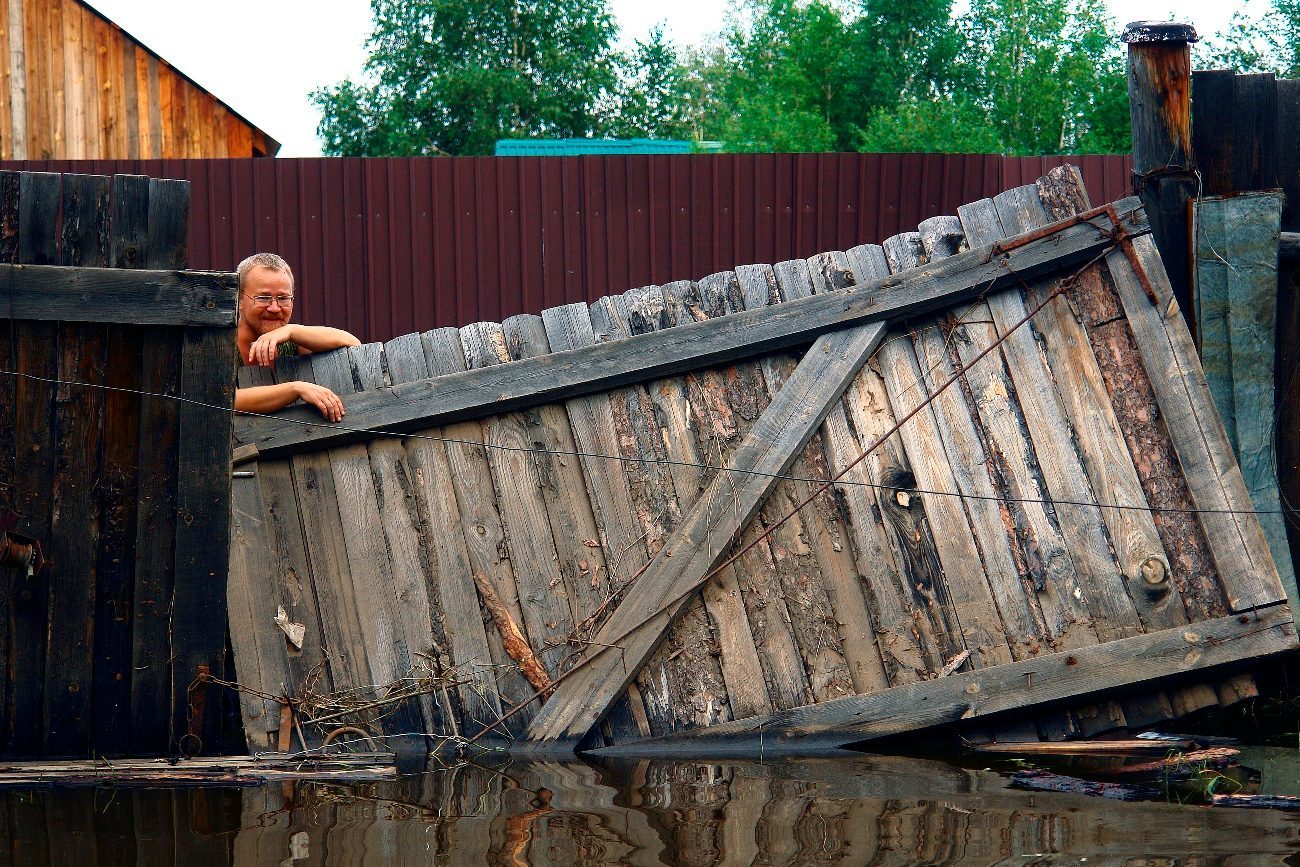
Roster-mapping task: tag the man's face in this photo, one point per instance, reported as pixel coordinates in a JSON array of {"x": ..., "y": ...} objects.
[{"x": 266, "y": 283}]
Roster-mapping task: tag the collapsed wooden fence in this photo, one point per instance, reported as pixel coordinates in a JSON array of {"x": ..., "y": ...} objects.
[
  {"x": 115, "y": 388},
  {"x": 590, "y": 506}
]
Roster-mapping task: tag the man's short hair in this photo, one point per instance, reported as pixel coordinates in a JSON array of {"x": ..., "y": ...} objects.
[{"x": 263, "y": 260}]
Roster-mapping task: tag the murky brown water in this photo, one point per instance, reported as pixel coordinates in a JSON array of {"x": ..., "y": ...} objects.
[{"x": 876, "y": 810}]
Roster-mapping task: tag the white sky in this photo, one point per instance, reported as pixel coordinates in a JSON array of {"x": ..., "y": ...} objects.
[{"x": 262, "y": 57}]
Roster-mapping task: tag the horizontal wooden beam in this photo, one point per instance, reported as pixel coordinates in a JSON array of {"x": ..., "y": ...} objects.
[
  {"x": 117, "y": 295},
  {"x": 725, "y": 339},
  {"x": 1048, "y": 678},
  {"x": 1288, "y": 245}
]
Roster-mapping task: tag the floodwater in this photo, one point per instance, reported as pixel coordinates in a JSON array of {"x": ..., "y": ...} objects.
[{"x": 877, "y": 810}]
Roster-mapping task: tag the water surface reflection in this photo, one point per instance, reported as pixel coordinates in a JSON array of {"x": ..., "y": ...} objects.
[{"x": 877, "y": 810}]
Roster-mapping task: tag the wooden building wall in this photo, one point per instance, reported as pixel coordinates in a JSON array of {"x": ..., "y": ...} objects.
[{"x": 76, "y": 86}]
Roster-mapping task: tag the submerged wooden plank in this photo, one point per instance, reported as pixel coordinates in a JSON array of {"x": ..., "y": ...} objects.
[
  {"x": 1236, "y": 539},
  {"x": 1056, "y": 677},
  {"x": 705, "y": 534},
  {"x": 1235, "y": 270},
  {"x": 639, "y": 359}
]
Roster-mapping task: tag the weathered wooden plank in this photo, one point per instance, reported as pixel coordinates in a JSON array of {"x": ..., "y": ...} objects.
[
  {"x": 1236, "y": 540},
  {"x": 155, "y": 530},
  {"x": 261, "y": 651},
  {"x": 203, "y": 524},
  {"x": 86, "y": 229},
  {"x": 419, "y": 631},
  {"x": 369, "y": 565},
  {"x": 832, "y": 533},
  {"x": 1056, "y": 677},
  {"x": 74, "y": 533},
  {"x": 965, "y": 590},
  {"x": 109, "y": 295},
  {"x": 809, "y": 552},
  {"x": 592, "y": 421},
  {"x": 1235, "y": 269},
  {"x": 543, "y": 595},
  {"x": 758, "y": 332},
  {"x": 679, "y": 685},
  {"x": 726, "y": 402},
  {"x": 705, "y": 534},
  {"x": 1128, "y": 387},
  {"x": 8, "y": 404},
  {"x": 893, "y": 540},
  {"x": 448, "y": 584},
  {"x": 474, "y": 507},
  {"x": 564, "y": 489}
]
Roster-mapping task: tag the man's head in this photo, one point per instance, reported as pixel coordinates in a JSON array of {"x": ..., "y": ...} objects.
[{"x": 265, "y": 292}]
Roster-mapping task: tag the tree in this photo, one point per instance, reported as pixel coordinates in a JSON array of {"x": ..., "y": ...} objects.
[
  {"x": 453, "y": 76},
  {"x": 653, "y": 98}
]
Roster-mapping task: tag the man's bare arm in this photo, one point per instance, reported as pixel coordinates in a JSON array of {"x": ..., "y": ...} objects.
[
  {"x": 269, "y": 398},
  {"x": 313, "y": 338}
]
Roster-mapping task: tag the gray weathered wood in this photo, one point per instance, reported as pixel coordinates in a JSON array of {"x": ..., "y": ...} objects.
[
  {"x": 705, "y": 534},
  {"x": 112, "y": 295},
  {"x": 1235, "y": 266},
  {"x": 1237, "y": 541},
  {"x": 726, "y": 339},
  {"x": 974, "y": 694}
]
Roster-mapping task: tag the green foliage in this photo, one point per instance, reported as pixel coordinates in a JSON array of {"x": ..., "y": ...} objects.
[
  {"x": 652, "y": 98},
  {"x": 448, "y": 76},
  {"x": 1269, "y": 43}
]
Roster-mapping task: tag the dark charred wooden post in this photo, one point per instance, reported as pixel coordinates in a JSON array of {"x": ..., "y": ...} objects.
[{"x": 1160, "y": 102}]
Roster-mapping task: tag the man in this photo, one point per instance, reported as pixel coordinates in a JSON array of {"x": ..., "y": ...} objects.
[{"x": 264, "y": 334}]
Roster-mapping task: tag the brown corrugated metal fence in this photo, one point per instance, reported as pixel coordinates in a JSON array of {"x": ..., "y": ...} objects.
[{"x": 384, "y": 247}]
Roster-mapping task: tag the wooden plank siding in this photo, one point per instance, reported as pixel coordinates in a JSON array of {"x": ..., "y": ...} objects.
[
  {"x": 1031, "y": 514},
  {"x": 76, "y": 86},
  {"x": 102, "y": 646}
]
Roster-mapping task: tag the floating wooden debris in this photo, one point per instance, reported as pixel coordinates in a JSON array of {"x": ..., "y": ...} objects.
[
  {"x": 1034, "y": 502},
  {"x": 201, "y": 771}
]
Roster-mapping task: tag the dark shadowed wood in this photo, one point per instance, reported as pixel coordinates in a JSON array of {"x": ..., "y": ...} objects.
[
  {"x": 8, "y": 421},
  {"x": 157, "y": 456},
  {"x": 705, "y": 534},
  {"x": 86, "y": 214},
  {"x": 646, "y": 357},
  {"x": 1212, "y": 103},
  {"x": 1254, "y": 132},
  {"x": 33, "y": 200},
  {"x": 76, "y": 523},
  {"x": 90, "y": 294},
  {"x": 1057, "y": 676}
]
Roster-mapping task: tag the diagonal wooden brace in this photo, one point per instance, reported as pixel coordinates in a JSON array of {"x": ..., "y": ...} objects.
[{"x": 706, "y": 533}]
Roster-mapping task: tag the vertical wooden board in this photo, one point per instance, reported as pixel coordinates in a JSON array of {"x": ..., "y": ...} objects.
[
  {"x": 592, "y": 422},
  {"x": 564, "y": 488},
  {"x": 260, "y": 650},
  {"x": 543, "y": 595},
  {"x": 732, "y": 399},
  {"x": 449, "y": 585},
  {"x": 419, "y": 630},
  {"x": 467, "y": 494},
  {"x": 964, "y": 591},
  {"x": 342, "y": 643},
  {"x": 369, "y": 565},
  {"x": 202, "y": 555},
  {"x": 678, "y": 685},
  {"x": 6, "y": 82},
  {"x": 1241, "y": 230},
  {"x": 155, "y": 827},
  {"x": 1254, "y": 132},
  {"x": 1240, "y": 550},
  {"x": 88, "y": 241},
  {"x": 1212, "y": 103},
  {"x": 805, "y": 547}
]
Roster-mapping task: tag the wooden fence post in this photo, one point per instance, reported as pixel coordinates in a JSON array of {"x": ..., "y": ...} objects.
[{"x": 1160, "y": 103}]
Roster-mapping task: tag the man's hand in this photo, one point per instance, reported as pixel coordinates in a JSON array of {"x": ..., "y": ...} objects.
[
  {"x": 329, "y": 403},
  {"x": 266, "y": 348}
]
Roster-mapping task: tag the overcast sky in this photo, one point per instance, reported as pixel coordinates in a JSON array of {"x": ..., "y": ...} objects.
[{"x": 262, "y": 57}]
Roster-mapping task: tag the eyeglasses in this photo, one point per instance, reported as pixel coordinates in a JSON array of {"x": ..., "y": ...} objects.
[{"x": 265, "y": 300}]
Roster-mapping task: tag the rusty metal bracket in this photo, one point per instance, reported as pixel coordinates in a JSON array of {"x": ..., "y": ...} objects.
[{"x": 17, "y": 549}]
